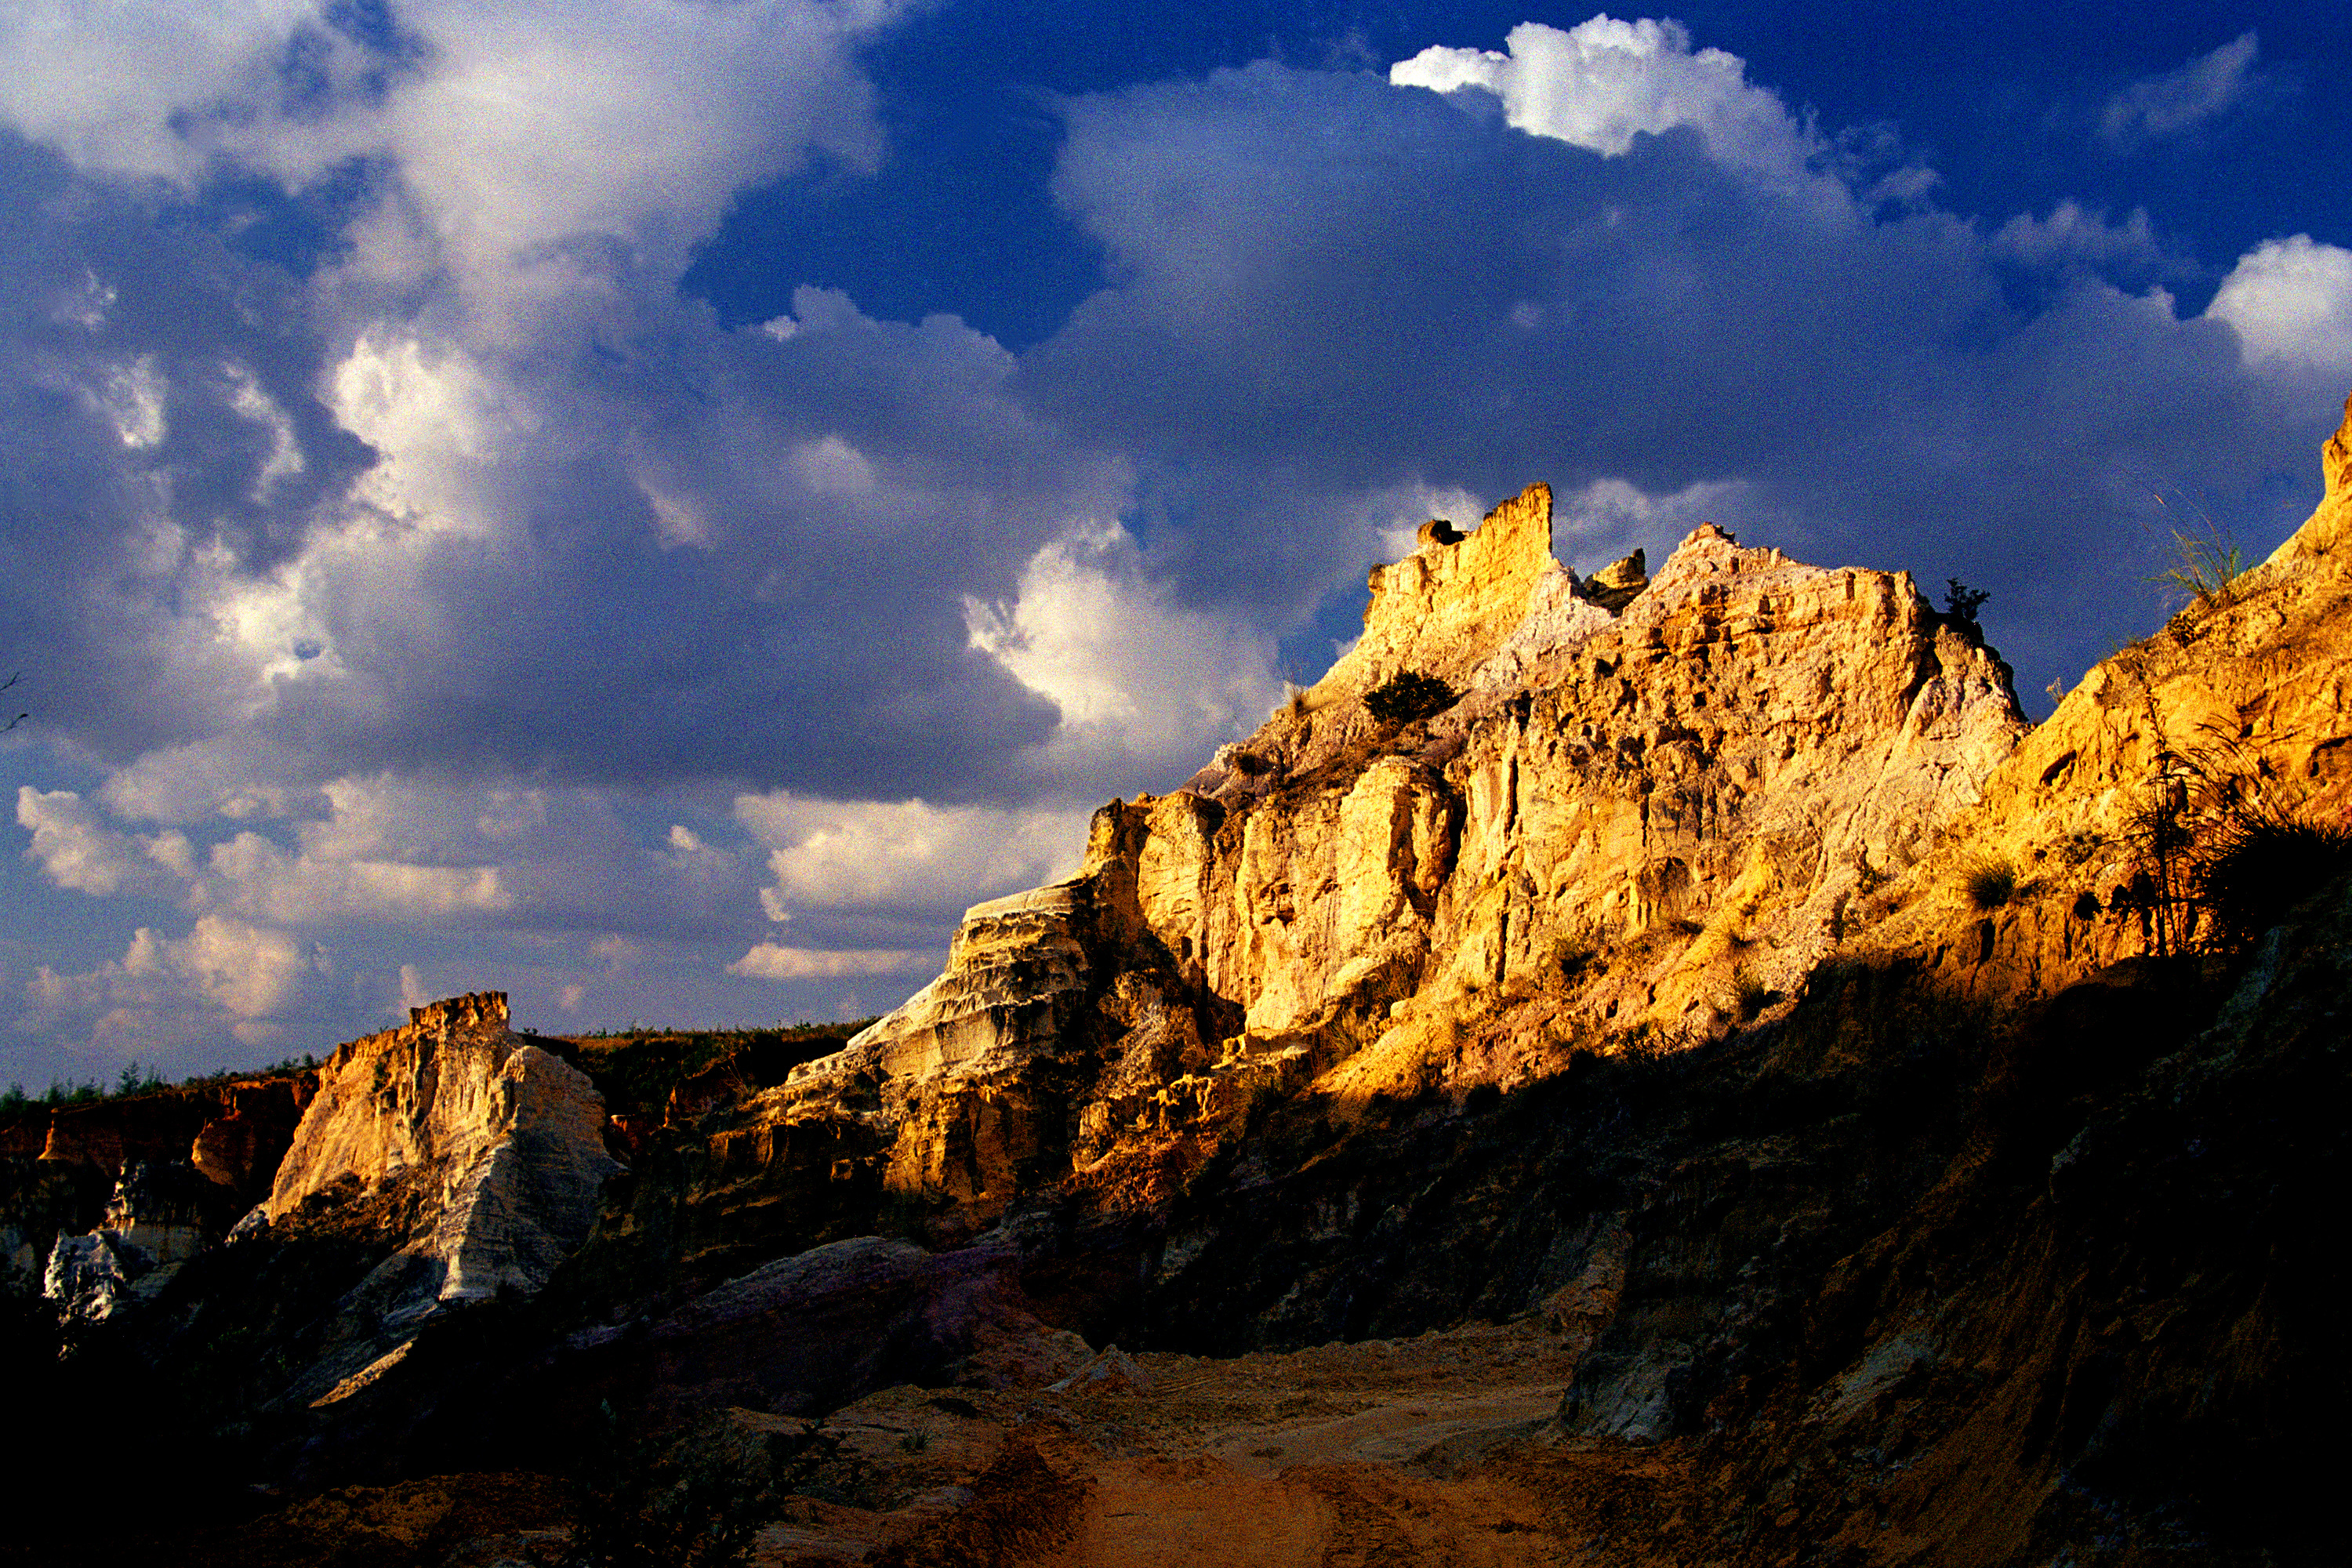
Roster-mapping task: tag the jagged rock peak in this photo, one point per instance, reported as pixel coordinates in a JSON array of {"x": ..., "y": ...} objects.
[
  {"x": 1623, "y": 821},
  {"x": 474, "y": 1010},
  {"x": 1446, "y": 607},
  {"x": 502, "y": 1141}
]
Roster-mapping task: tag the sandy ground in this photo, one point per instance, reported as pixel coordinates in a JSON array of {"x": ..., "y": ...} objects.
[{"x": 1436, "y": 1450}]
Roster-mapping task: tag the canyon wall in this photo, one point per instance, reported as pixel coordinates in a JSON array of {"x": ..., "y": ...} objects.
[
  {"x": 1841, "y": 1120},
  {"x": 1629, "y": 822}
]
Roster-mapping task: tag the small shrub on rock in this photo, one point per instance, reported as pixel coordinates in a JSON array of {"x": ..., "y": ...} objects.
[
  {"x": 1990, "y": 882},
  {"x": 1408, "y": 695},
  {"x": 2257, "y": 866}
]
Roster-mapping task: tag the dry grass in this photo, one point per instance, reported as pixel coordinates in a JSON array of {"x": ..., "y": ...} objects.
[{"x": 1989, "y": 882}]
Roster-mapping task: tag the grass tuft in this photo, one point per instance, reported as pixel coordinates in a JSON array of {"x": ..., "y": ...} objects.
[
  {"x": 1989, "y": 882},
  {"x": 2257, "y": 866},
  {"x": 2203, "y": 565}
]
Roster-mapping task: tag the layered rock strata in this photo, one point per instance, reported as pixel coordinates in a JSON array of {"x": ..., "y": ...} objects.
[{"x": 102, "y": 1200}]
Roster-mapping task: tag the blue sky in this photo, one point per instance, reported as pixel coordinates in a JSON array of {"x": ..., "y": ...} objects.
[{"x": 656, "y": 506}]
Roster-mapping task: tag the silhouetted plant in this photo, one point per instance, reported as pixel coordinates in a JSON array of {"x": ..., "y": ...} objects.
[
  {"x": 1961, "y": 602},
  {"x": 2203, "y": 566},
  {"x": 1989, "y": 882},
  {"x": 2257, "y": 865},
  {"x": 1408, "y": 695}
]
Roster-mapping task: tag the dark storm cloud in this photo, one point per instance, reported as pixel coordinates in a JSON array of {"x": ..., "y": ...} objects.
[
  {"x": 1328, "y": 284},
  {"x": 158, "y": 410},
  {"x": 691, "y": 562}
]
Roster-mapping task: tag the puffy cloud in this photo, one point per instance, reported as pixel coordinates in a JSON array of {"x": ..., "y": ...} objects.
[
  {"x": 442, "y": 585},
  {"x": 255, "y": 875},
  {"x": 75, "y": 848},
  {"x": 1146, "y": 685},
  {"x": 911, "y": 854},
  {"x": 251, "y": 970},
  {"x": 1331, "y": 286},
  {"x": 2074, "y": 237},
  {"x": 2290, "y": 301},
  {"x": 166, "y": 993},
  {"x": 2208, "y": 86},
  {"x": 1603, "y": 83},
  {"x": 511, "y": 147}
]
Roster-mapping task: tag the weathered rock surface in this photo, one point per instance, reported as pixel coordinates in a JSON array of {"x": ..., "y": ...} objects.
[
  {"x": 1611, "y": 1115},
  {"x": 1630, "y": 820},
  {"x": 137, "y": 1183},
  {"x": 2243, "y": 698},
  {"x": 504, "y": 1141}
]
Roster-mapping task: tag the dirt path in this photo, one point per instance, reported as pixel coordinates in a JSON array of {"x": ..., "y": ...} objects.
[{"x": 1435, "y": 1450}]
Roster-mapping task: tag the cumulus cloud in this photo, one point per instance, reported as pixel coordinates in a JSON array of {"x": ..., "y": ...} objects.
[
  {"x": 77, "y": 848},
  {"x": 2290, "y": 302},
  {"x": 1600, "y": 84},
  {"x": 1146, "y": 685},
  {"x": 2073, "y": 236},
  {"x": 442, "y": 579},
  {"x": 510, "y": 146},
  {"x": 769, "y": 961},
  {"x": 2208, "y": 86},
  {"x": 900, "y": 855},
  {"x": 225, "y": 974}
]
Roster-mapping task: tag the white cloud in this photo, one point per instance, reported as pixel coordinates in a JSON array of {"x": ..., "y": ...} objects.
[
  {"x": 1602, "y": 82},
  {"x": 2291, "y": 301},
  {"x": 2073, "y": 236},
  {"x": 252, "y": 971},
  {"x": 832, "y": 466},
  {"x": 1609, "y": 518},
  {"x": 1144, "y": 682},
  {"x": 1394, "y": 516},
  {"x": 512, "y": 131},
  {"x": 132, "y": 395},
  {"x": 838, "y": 855},
  {"x": 255, "y": 874},
  {"x": 75, "y": 849},
  {"x": 224, "y": 965},
  {"x": 2160, "y": 105},
  {"x": 769, "y": 961}
]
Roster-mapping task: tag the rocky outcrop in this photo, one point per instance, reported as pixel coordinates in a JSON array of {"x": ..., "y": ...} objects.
[
  {"x": 162, "y": 1213},
  {"x": 2241, "y": 703},
  {"x": 100, "y": 1197},
  {"x": 1628, "y": 820},
  {"x": 1690, "y": 1078},
  {"x": 501, "y": 1140}
]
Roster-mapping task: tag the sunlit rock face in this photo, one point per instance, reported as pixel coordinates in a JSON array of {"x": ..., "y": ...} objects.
[
  {"x": 501, "y": 1142},
  {"x": 1625, "y": 819},
  {"x": 2240, "y": 702}
]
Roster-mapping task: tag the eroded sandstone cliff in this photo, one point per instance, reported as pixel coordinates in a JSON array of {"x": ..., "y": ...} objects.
[
  {"x": 501, "y": 1142},
  {"x": 1629, "y": 821},
  {"x": 1716, "y": 1086}
]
